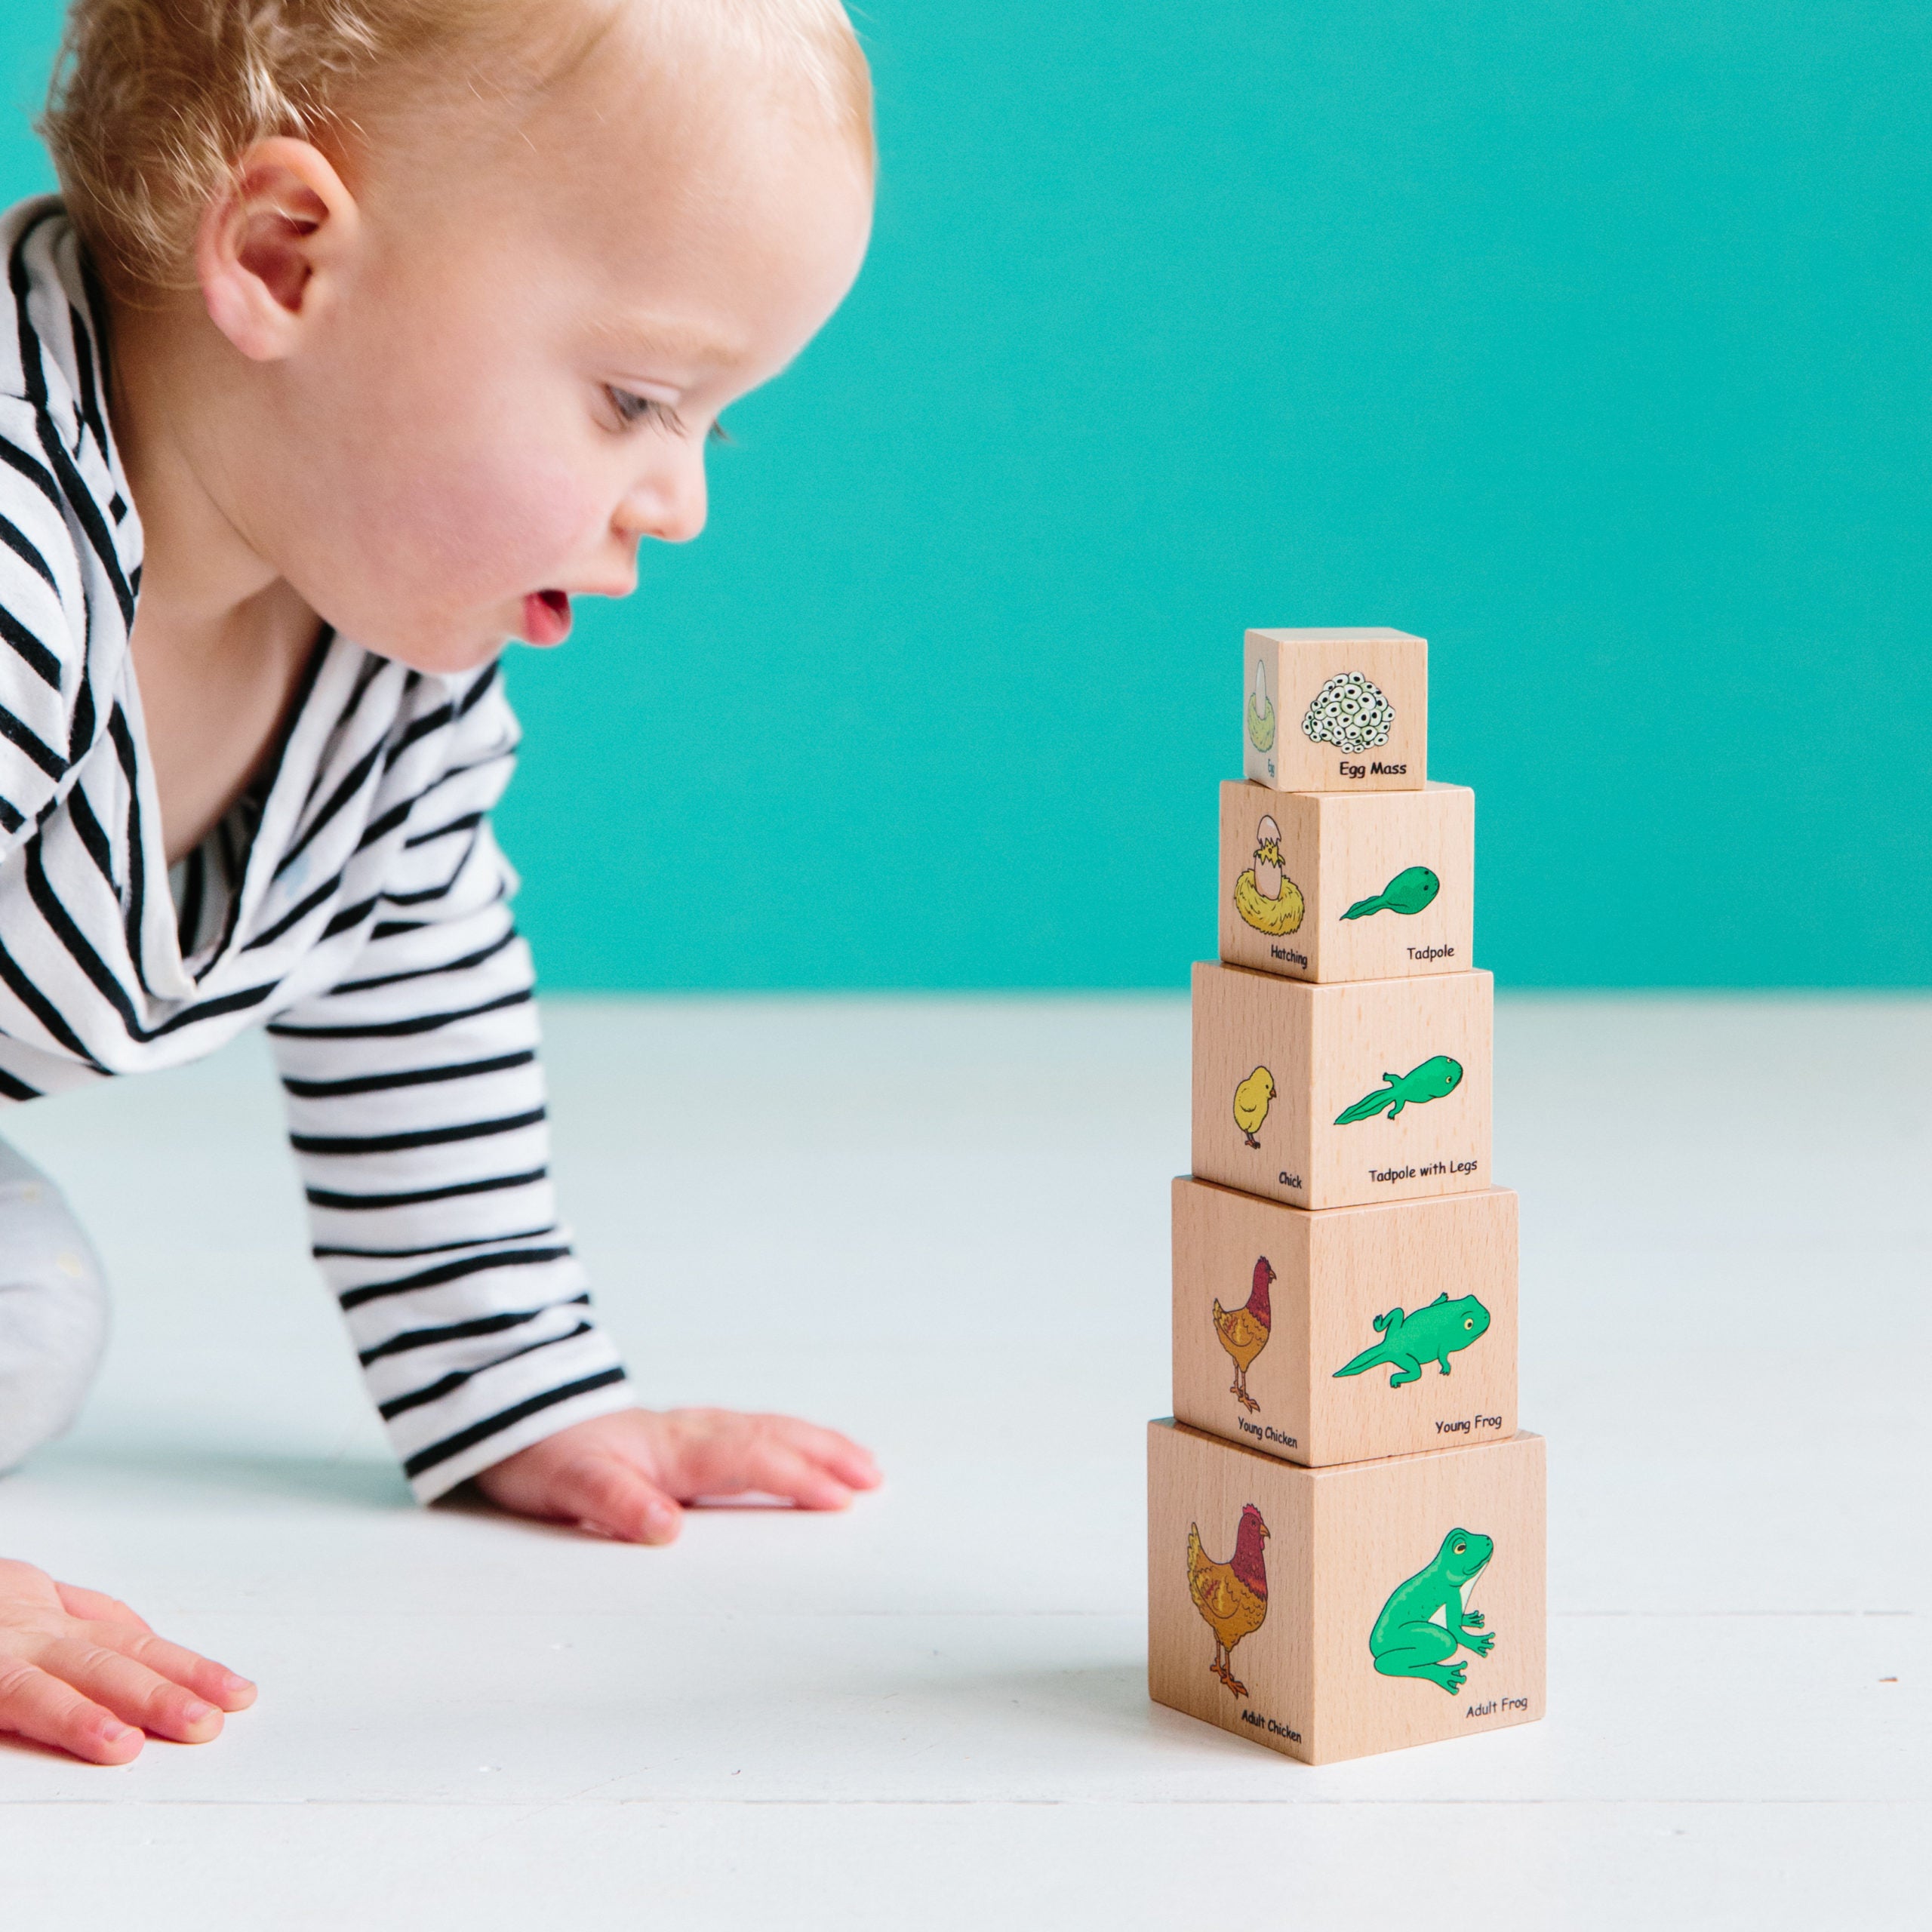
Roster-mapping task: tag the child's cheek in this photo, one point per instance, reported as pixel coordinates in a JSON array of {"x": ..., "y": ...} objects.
[
  {"x": 519, "y": 521},
  {"x": 491, "y": 522}
]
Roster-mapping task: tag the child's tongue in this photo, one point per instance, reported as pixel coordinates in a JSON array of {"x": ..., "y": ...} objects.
[{"x": 546, "y": 618}]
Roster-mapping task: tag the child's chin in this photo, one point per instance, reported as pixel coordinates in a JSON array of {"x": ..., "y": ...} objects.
[{"x": 442, "y": 657}]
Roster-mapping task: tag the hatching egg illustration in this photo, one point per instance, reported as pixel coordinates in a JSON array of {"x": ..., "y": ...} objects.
[
  {"x": 1267, "y": 859},
  {"x": 1264, "y": 896}
]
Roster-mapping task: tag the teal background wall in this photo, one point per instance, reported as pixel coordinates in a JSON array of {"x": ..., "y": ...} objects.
[{"x": 1589, "y": 338}]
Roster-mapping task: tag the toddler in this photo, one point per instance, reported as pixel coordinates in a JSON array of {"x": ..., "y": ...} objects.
[{"x": 363, "y": 336}]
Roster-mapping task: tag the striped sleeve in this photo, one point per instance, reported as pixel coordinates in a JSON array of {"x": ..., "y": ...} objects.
[
  {"x": 46, "y": 709},
  {"x": 416, "y": 1111}
]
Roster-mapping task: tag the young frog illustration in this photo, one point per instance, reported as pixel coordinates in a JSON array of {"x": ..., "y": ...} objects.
[{"x": 1433, "y": 1333}]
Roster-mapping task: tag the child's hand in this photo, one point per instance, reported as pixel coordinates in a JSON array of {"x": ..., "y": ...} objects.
[
  {"x": 625, "y": 1474},
  {"x": 83, "y": 1673}
]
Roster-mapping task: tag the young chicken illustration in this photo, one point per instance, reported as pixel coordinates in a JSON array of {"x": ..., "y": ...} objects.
[
  {"x": 1251, "y": 1098},
  {"x": 1243, "y": 1331},
  {"x": 1232, "y": 1597}
]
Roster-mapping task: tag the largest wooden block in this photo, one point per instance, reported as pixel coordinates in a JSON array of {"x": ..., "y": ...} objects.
[
  {"x": 1335, "y": 710},
  {"x": 1330, "y": 1096},
  {"x": 1344, "y": 1333},
  {"x": 1329, "y": 1613}
]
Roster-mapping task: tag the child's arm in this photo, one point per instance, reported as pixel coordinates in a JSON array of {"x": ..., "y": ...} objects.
[
  {"x": 416, "y": 1110},
  {"x": 82, "y": 1673}
]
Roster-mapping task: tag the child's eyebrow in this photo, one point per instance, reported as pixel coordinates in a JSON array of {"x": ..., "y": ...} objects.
[{"x": 688, "y": 342}]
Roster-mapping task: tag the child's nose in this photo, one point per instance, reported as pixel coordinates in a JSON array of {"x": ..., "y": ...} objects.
[{"x": 671, "y": 502}]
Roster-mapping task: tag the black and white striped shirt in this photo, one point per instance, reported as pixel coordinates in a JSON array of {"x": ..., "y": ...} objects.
[{"x": 355, "y": 900}]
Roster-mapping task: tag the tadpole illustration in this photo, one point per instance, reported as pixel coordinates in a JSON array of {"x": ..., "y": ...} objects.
[{"x": 1408, "y": 892}]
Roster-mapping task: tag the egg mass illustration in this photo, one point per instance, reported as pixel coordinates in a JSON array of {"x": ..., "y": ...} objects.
[{"x": 1350, "y": 712}]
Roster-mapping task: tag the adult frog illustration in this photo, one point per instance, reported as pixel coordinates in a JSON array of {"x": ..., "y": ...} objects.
[
  {"x": 1433, "y": 1333},
  {"x": 1408, "y": 1641}
]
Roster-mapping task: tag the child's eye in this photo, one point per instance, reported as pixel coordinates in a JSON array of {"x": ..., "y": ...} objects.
[{"x": 632, "y": 409}]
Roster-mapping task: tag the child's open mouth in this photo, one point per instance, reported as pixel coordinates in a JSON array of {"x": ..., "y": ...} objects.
[{"x": 546, "y": 618}]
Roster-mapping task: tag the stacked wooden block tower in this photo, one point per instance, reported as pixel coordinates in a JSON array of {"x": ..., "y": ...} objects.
[{"x": 1346, "y": 1528}]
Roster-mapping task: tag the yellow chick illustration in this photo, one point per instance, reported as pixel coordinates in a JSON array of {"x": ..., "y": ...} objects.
[{"x": 1251, "y": 1098}]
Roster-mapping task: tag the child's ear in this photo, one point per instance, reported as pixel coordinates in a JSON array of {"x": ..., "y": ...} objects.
[{"x": 266, "y": 247}]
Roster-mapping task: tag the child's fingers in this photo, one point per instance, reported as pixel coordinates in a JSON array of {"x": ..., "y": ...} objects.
[
  {"x": 202, "y": 1676},
  {"x": 779, "y": 1469},
  {"x": 36, "y": 1705},
  {"x": 134, "y": 1693},
  {"x": 844, "y": 1458},
  {"x": 607, "y": 1493},
  {"x": 95, "y": 1607}
]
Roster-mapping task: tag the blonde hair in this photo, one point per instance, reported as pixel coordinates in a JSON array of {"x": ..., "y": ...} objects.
[{"x": 153, "y": 101}]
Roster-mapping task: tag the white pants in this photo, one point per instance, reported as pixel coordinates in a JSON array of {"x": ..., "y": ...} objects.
[{"x": 52, "y": 1310}]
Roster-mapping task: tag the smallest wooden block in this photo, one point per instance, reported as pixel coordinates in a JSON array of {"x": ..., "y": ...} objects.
[
  {"x": 1329, "y": 1613},
  {"x": 1346, "y": 1333},
  {"x": 1321, "y": 885},
  {"x": 1335, "y": 710}
]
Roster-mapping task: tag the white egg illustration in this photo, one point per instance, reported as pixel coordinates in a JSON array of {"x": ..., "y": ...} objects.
[{"x": 1268, "y": 859}]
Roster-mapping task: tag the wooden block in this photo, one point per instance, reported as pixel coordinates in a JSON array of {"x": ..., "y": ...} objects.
[
  {"x": 1344, "y": 1333},
  {"x": 1335, "y": 710},
  {"x": 1330, "y": 1096},
  {"x": 1323, "y": 885},
  {"x": 1329, "y": 1613}
]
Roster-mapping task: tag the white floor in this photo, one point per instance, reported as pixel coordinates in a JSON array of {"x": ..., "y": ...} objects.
[{"x": 943, "y": 1225}]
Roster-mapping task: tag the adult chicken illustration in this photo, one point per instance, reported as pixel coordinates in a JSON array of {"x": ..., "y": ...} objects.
[
  {"x": 1232, "y": 1597},
  {"x": 1243, "y": 1331}
]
